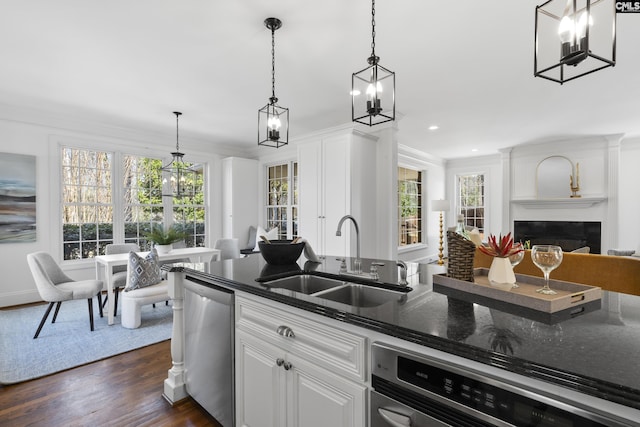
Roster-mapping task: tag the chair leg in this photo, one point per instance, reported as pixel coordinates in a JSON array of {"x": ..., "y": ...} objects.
[
  {"x": 100, "y": 304},
  {"x": 44, "y": 319},
  {"x": 115, "y": 302},
  {"x": 91, "y": 312},
  {"x": 166, "y": 302},
  {"x": 55, "y": 313},
  {"x": 154, "y": 305}
]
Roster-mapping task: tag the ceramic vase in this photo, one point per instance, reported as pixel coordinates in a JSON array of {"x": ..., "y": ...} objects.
[
  {"x": 164, "y": 249},
  {"x": 501, "y": 272}
]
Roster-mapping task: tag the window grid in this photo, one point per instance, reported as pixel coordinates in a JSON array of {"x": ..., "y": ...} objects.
[
  {"x": 282, "y": 204},
  {"x": 471, "y": 200},
  {"x": 89, "y": 207},
  {"x": 87, "y": 203},
  {"x": 409, "y": 206}
]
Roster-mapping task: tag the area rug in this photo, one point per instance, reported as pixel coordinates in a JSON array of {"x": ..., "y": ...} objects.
[{"x": 69, "y": 342}]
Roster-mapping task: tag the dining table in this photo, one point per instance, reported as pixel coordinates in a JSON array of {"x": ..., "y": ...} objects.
[{"x": 105, "y": 264}]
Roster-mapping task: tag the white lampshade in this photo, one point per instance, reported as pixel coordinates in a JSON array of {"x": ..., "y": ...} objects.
[{"x": 440, "y": 205}]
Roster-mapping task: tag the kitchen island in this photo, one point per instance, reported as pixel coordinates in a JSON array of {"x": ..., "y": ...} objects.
[{"x": 593, "y": 353}]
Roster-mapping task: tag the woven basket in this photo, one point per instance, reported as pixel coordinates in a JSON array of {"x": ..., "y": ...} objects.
[{"x": 460, "y": 258}]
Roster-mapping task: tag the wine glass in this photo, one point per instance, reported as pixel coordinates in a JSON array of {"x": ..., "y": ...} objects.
[
  {"x": 515, "y": 259},
  {"x": 546, "y": 258}
]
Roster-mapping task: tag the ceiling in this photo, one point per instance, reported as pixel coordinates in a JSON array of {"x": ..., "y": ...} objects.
[{"x": 464, "y": 66}]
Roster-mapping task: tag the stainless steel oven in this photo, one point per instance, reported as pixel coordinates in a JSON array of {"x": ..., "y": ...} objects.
[{"x": 412, "y": 389}]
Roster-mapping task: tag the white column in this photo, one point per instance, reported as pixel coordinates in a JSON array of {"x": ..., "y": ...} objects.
[
  {"x": 174, "y": 386},
  {"x": 611, "y": 231},
  {"x": 507, "y": 180}
]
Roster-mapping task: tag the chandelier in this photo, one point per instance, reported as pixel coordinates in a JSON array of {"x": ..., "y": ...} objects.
[
  {"x": 273, "y": 120},
  {"x": 177, "y": 169},
  {"x": 574, "y": 38},
  {"x": 375, "y": 83}
]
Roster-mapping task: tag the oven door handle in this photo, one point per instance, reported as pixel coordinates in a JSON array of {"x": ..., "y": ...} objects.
[{"x": 394, "y": 419}]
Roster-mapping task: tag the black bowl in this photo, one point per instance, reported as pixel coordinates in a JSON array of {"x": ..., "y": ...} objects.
[{"x": 280, "y": 252}]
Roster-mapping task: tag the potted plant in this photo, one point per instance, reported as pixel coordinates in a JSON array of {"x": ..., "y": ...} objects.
[
  {"x": 501, "y": 248},
  {"x": 163, "y": 238}
]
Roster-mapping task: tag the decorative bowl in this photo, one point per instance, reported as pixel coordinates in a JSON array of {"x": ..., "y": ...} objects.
[{"x": 281, "y": 252}]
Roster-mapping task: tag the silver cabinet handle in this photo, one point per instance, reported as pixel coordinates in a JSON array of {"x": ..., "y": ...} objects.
[
  {"x": 279, "y": 361},
  {"x": 394, "y": 419},
  {"x": 285, "y": 331},
  {"x": 287, "y": 366}
]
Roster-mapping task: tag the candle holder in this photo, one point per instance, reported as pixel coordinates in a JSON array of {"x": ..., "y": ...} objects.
[{"x": 575, "y": 188}]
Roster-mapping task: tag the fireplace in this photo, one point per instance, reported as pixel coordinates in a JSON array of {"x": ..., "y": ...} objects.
[{"x": 569, "y": 235}]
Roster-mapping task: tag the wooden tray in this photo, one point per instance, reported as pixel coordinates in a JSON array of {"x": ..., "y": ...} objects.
[{"x": 568, "y": 295}]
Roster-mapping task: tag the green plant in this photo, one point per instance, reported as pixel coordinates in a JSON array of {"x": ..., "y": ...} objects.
[
  {"x": 501, "y": 247},
  {"x": 165, "y": 236}
]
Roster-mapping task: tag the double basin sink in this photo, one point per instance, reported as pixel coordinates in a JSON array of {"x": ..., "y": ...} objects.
[{"x": 337, "y": 289}]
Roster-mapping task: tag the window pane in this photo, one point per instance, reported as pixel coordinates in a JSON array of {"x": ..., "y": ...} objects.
[
  {"x": 409, "y": 206},
  {"x": 281, "y": 201},
  {"x": 471, "y": 200},
  {"x": 87, "y": 213}
]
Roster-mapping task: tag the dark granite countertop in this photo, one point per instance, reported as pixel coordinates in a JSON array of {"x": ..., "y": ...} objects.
[{"x": 595, "y": 352}]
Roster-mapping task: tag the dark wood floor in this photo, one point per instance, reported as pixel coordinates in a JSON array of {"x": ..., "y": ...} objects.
[{"x": 124, "y": 390}]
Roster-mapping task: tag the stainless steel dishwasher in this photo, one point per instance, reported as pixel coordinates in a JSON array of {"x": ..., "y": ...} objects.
[{"x": 209, "y": 348}]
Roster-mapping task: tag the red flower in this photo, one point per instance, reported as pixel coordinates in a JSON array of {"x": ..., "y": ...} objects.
[{"x": 502, "y": 247}]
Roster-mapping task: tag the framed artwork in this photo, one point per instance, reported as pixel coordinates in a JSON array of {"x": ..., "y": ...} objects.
[{"x": 17, "y": 198}]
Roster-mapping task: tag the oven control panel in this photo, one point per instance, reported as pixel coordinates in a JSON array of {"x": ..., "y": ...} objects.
[{"x": 424, "y": 384}]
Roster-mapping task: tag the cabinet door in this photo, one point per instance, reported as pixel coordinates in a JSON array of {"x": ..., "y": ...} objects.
[
  {"x": 260, "y": 383},
  {"x": 310, "y": 220},
  {"x": 336, "y": 191},
  {"x": 318, "y": 398}
]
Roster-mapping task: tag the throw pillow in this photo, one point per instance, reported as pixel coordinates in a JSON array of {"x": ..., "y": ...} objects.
[
  {"x": 143, "y": 272},
  {"x": 271, "y": 235}
]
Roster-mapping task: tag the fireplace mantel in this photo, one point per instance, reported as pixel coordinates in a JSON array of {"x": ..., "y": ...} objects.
[{"x": 568, "y": 203}]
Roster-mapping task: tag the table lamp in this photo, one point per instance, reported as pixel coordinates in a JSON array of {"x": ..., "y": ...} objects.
[{"x": 440, "y": 206}]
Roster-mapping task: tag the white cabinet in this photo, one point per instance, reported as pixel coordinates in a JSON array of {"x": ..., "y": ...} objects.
[
  {"x": 336, "y": 178},
  {"x": 240, "y": 198},
  {"x": 307, "y": 375}
]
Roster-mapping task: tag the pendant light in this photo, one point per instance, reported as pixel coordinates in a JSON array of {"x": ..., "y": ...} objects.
[
  {"x": 273, "y": 120},
  {"x": 177, "y": 169},
  {"x": 373, "y": 90},
  {"x": 574, "y": 38}
]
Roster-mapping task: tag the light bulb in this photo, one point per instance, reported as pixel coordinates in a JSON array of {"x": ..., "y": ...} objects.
[
  {"x": 582, "y": 24},
  {"x": 565, "y": 29},
  {"x": 274, "y": 123}
]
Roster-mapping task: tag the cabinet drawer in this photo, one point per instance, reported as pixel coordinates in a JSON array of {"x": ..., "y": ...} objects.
[{"x": 336, "y": 350}]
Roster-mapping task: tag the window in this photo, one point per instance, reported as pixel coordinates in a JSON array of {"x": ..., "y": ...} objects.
[
  {"x": 409, "y": 206},
  {"x": 471, "y": 200},
  {"x": 282, "y": 204},
  {"x": 87, "y": 203},
  {"x": 95, "y": 215}
]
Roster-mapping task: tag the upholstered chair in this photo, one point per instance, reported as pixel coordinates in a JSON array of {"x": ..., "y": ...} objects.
[
  {"x": 120, "y": 271},
  {"x": 229, "y": 248},
  {"x": 55, "y": 287}
]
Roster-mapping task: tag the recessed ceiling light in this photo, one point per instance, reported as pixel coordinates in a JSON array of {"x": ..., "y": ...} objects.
[
  {"x": 433, "y": 127},
  {"x": 474, "y": 150}
]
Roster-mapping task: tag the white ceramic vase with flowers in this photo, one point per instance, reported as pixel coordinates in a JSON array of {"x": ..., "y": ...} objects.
[{"x": 501, "y": 248}]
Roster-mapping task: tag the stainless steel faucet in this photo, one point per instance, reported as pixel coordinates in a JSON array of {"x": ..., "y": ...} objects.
[
  {"x": 357, "y": 264},
  {"x": 402, "y": 280}
]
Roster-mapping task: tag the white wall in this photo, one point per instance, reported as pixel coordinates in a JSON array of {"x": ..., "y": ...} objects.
[
  {"x": 491, "y": 167},
  {"x": 629, "y": 195},
  {"x": 40, "y": 136}
]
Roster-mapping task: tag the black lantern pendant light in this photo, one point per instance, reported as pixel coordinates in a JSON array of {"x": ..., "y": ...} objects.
[
  {"x": 273, "y": 120},
  {"x": 574, "y": 38},
  {"x": 373, "y": 90},
  {"x": 177, "y": 168}
]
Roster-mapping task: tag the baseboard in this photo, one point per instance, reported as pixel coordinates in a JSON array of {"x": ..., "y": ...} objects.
[{"x": 9, "y": 299}]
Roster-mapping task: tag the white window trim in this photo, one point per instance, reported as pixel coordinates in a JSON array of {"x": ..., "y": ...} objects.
[{"x": 57, "y": 142}]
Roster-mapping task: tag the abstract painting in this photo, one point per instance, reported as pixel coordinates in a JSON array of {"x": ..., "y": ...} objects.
[{"x": 17, "y": 198}]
